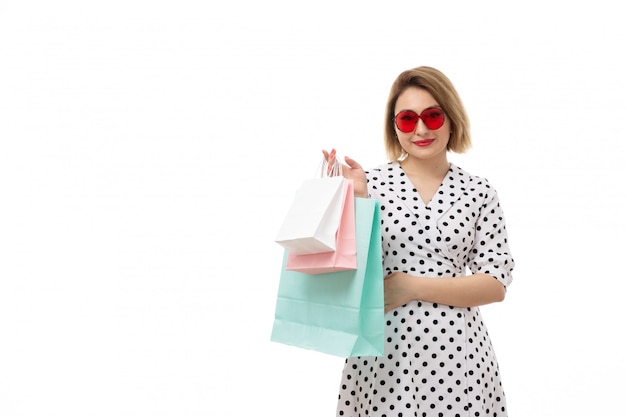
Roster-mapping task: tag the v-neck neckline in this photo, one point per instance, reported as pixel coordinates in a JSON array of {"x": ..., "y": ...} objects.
[{"x": 416, "y": 189}]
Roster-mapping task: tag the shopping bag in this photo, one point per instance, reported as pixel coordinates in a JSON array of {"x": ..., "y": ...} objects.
[
  {"x": 311, "y": 223},
  {"x": 338, "y": 313},
  {"x": 344, "y": 255}
]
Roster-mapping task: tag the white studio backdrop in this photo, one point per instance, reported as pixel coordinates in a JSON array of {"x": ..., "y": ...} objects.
[{"x": 148, "y": 151}]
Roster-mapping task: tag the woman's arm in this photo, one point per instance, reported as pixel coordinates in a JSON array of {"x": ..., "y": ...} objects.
[{"x": 467, "y": 291}]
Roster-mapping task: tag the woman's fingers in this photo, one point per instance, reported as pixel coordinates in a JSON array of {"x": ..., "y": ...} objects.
[
  {"x": 331, "y": 156},
  {"x": 352, "y": 163},
  {"x": 330, "y": 159}
]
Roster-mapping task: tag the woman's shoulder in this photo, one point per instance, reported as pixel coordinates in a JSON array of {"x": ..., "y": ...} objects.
[
  {"x": 469, "y": 177},
  {"x": 388, "y": 167},
  {"x": 472, "y": 183}
]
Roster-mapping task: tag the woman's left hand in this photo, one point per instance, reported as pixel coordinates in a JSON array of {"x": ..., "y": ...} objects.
[{"x": 399, "y": 290}]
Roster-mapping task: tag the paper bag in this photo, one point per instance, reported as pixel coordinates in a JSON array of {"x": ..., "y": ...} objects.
[
  {"x": 312, "y": 221},
  {"x": 338, "y": 313},
  {"x": 344, "y": 256}
]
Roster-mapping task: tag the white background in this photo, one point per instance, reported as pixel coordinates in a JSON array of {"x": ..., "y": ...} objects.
[{"x": 149, "y": 149}]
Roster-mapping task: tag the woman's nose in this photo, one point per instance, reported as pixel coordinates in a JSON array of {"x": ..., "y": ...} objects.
[{"x": 420, "y": 127}]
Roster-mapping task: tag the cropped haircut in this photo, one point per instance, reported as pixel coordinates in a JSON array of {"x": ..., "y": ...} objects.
[{"x": 443, "y": 91}]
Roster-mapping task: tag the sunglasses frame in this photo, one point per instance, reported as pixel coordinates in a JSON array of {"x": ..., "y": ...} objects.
[{"x": 419, "y": 116}]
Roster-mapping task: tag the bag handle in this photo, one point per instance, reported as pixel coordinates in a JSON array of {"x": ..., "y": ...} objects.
[{"x": 335, "y": 171}]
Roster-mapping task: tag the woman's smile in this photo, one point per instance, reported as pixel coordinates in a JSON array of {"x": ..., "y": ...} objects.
[{"x": 423, "y": 142}]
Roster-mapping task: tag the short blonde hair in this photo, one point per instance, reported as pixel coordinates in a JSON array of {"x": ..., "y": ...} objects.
[{"x": 443, "y": 91}]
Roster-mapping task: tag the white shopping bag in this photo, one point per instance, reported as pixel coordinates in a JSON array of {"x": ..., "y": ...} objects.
[{"x": 312, "y": 221}]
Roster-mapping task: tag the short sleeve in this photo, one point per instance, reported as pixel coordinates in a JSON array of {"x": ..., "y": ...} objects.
[{"x": 491, "y": 254}]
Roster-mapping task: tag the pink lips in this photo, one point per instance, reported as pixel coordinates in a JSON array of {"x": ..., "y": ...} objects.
[{"x": 424, "y": 142}]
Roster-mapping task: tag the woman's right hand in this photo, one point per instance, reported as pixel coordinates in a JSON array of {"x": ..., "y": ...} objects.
[{"x": 351, "y": 171}]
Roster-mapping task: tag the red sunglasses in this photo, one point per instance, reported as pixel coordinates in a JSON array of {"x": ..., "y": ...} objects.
[{"x": 433, "y": 118}]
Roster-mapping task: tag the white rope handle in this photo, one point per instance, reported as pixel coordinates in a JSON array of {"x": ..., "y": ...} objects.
[{"x": 335, "y": 171}]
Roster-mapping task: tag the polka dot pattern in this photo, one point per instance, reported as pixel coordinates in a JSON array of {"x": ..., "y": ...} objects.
[{"x": 439, "y": 360}]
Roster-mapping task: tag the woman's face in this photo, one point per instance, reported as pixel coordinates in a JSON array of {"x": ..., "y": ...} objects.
[{"x": 422, "y": 142}]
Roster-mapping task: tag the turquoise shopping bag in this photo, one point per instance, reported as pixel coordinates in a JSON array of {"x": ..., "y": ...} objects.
[{"x": 338, "y": 313}]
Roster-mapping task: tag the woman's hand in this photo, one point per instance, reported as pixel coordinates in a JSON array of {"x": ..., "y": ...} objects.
[
  {"x": 351, "y": 171},
  {"x": 466, "y": 291},
  {"x": 399, "y": 290}
]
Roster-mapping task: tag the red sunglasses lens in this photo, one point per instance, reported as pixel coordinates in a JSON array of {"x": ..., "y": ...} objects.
[
  {"x": 406, "y": 120},
  {"x": 433, "y": 118}
]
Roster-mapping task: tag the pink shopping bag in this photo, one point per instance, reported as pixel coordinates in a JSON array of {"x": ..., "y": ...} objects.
[{"x": 343, "y": 258}]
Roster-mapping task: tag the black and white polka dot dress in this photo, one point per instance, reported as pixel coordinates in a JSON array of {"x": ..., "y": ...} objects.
[{"x": 439, "y": 361}]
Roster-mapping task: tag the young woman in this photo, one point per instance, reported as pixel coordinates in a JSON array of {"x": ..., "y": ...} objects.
[{"x": 445, "y": 253}]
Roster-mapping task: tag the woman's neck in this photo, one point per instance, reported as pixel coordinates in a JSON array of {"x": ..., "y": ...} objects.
[{"x": 425, "y": 168}]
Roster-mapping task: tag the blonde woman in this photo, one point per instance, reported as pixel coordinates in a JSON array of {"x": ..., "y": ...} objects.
[{"x": 445, "y": 253}]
